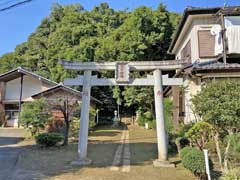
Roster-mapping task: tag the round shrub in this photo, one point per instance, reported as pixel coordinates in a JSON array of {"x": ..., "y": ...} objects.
[
  {"x": 186, "y": 150},
  {"x": 49, "y": 139},
  {"x": 193, "y": 159}
]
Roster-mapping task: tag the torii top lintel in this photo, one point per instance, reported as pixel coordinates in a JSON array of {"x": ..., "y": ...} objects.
[{"x": 133, "y": 65}]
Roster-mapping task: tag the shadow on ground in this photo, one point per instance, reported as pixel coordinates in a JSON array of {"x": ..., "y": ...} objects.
[
  {"x": 5, "y": 141},
  {"x": 36, "y": 163},
  {"x": 104, "y": 133}
]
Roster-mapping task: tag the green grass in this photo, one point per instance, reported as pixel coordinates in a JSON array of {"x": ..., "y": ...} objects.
[{"x": 103, "y": 142}]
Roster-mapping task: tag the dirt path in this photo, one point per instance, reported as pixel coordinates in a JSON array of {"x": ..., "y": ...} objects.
[{"x": 117, "y": 153}]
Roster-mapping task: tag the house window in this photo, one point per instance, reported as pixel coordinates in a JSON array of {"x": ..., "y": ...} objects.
[
  {"x": 232, "y": 21},
  {"x": 11, "y": 115},
  {"x": 206, "y": 44},
  {"x": 11, "y": 111},
  {"x": 186, "y": 52},
  {"x": 12, "y": 106}
]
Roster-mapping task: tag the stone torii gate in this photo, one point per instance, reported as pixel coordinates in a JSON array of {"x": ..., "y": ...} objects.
[{"x": 122, "y": 79}]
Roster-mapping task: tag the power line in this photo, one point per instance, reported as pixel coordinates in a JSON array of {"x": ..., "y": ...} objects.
[
  {"x": 5, "y": 3},
  {"x": 15, "y": 5}
]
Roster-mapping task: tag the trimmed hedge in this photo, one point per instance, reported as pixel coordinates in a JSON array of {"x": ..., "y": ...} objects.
[
  {"x": 186, "y": 150},
  {"x": 193, "y": 160},
  {"x": 49, "y": 139}
]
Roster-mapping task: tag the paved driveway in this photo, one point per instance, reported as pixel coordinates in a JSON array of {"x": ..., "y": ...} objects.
[{"x": 9, "y": 149}]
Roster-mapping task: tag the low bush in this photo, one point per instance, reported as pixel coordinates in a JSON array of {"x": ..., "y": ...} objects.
[
  {"x": 141, "y": 120},
  {"x": 146, "y": 117},
  {"x": 233, "y": 174},
  {"x": 186, "y": 150},
  {"x": 49, "y": 139},
  {"x": 193, "y": 160},
  {"x": 152, "y": 124}
]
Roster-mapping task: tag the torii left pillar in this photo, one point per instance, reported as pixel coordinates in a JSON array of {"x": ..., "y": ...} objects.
[{"x": 84, "y": 121}]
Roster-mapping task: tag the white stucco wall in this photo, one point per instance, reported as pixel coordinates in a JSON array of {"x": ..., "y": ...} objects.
[
  {"x": 191, "y": 88},
  {"x": 30, "y": 86}
]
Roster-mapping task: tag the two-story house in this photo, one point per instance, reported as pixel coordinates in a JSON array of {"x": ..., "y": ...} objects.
[{"x": 209, "y": 39}]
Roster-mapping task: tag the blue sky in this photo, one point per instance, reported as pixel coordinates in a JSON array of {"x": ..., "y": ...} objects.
[{"x": 18, "y": 23}]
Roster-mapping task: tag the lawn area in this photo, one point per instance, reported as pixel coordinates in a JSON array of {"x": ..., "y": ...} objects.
[{"x": 54, "y": 163}]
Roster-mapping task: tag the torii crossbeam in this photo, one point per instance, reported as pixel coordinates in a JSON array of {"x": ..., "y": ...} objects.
[{"x": 122, "y": 79}]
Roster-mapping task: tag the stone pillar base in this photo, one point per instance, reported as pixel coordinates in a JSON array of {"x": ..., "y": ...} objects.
[
  {"x": 81, "y": 162},
  {"x": 160, "y": 163}
]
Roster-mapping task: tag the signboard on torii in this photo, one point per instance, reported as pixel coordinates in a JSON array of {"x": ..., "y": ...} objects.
[
  {"x": 122, "y": 78},
  {"x": 122, "y": 72}
]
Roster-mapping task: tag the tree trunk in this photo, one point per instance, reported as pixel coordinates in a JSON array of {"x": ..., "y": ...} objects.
[
  {"x": 227, "y": 151},
  {"x": 66, "y": 119},
  {"x": 153, "y": 111},
  {"x": 216, "y": 139},
  {"x": 65, "y": 142},
  {"x": 119, "y": 117}
]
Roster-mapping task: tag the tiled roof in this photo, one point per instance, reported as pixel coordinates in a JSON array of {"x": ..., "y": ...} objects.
[
  {"x": 65, "y": 88},
  {"x": 209, "y": 66},
  {"x": 15, "y": 73},
  {"x": 215, "y": 65}
]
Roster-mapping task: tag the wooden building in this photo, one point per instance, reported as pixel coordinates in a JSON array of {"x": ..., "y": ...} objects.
[{"x": 19, "y": 86}]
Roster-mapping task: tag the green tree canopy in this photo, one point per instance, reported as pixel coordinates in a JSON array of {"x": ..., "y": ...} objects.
[
  {"x": 219, "y": 104},
  {"x": 102, "y": 34}
]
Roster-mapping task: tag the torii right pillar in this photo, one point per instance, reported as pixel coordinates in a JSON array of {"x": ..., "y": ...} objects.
[{"x": 162, "y": 137}]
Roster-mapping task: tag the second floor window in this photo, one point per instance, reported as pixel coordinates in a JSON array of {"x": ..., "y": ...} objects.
[{"x": 206, "y": 44}]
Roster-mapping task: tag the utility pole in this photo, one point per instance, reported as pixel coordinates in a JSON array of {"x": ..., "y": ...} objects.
[
  {"x": 225, "y": 3},
  {"x": 224, "y": 43}
]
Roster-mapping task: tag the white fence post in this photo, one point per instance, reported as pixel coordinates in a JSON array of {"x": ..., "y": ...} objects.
[{"x": 207, "y": 163}]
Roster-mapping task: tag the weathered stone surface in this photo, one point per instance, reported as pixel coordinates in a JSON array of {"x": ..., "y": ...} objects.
[
  {"x": 81, "y": 162},
  {"x": 159, "y": 163}
]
